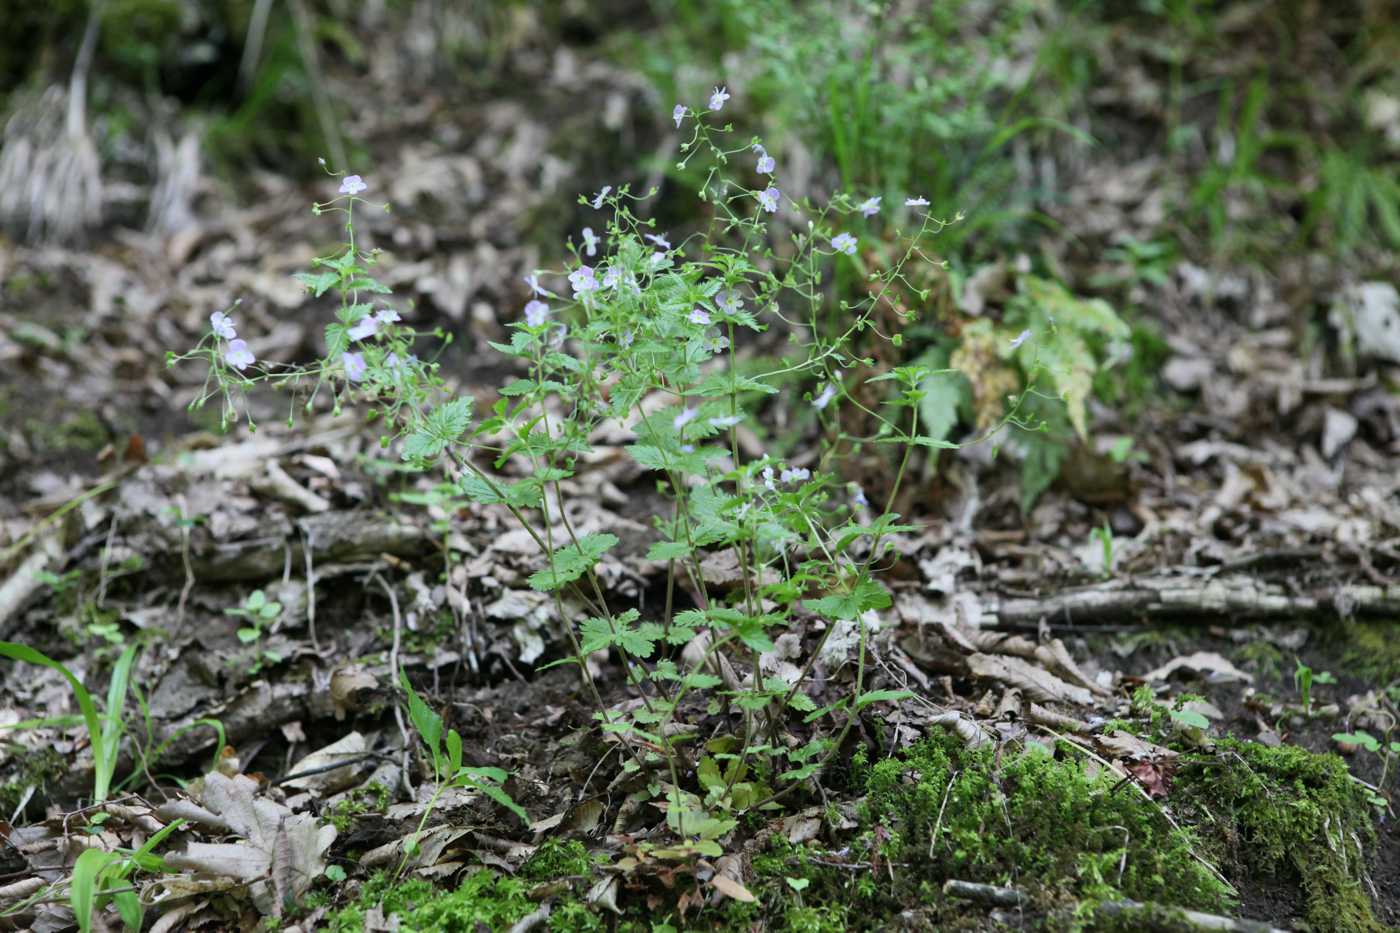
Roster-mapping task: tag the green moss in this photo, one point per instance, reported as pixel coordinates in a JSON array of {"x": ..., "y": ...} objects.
[
  {"x": 1288, "y": 813},
  {"x": 484, "y": 900},
  {"x": 371, "y": 798},
  {"x": 1369, "y": 650},
  {"x": 1058, "y": 827},
  {"x": 31, "y": 767},
  {"x": 556, "y": 859}
]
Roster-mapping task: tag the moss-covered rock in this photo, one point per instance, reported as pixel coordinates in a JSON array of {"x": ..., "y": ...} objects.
[{"x": 1286, "y": 813}]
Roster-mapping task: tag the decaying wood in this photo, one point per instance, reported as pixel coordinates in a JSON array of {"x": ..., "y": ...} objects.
[
  {"x": 1174, "y": 918},
  {"x": 1183, "y": 597},
  {"x": 990, "y": 894}
]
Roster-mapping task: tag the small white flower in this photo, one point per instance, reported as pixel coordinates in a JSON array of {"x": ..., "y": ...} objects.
[
  {"x": 858, "y": 495},
  {"x": 729, "y": 301},
  {"x": 796, "y": 476},
  {"x": 717, "y": 99},
  {"x": 659, "y": 239},
  {"x": 742, "y": 510},
  {"x": 1020, "y": 338},
  {"x": 768, "y": 199},
  {"x": 533, "y": 281},
  {"x": 699, "y": 316},
  {"x": 678, "y": 114},
  {"x": 366, "y": 326},
  {"x": 237, "y": 354},
  {"x": 726, "y": 421},
  {"x": 536, "y": 312},
  {"x": 684, "y": 418},
  {"x": 598, "y": 201},
  {"x": 916, "y": 202},
  {"x": 354, "y": 366},
  {"x": 658, "y": 260},
  {"x": 823, "y": 400},
  {"x": 223, "y": 325},
  {"x": 844, "y": 243},
  {"x": 590, "y": 242},
  {"x": 721, "y": 343},
  {"x": 871, "y": 207},
  {"x": 387, "y": 316},
  {"x": 768, "y": 479},
  {"x": 352, "y": 185}
]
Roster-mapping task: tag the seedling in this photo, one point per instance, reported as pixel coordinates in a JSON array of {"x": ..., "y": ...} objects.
[{"x": 259, "y": 611}]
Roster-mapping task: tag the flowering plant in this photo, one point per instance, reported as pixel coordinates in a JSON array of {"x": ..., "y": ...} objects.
[{"x": 652, "y": 336}]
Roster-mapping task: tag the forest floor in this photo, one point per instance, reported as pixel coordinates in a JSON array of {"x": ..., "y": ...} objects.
[{"x": 1186, "y": 673}]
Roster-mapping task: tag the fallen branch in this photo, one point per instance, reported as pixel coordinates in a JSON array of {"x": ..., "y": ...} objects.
[
  {"x": 1157, "y": 917},
  {"x": 991, "y": 894},
  {"x": 1176, "y": 597}
]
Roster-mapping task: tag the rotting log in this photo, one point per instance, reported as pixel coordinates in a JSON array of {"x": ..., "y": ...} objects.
[{"x": 1179, "y": 597}]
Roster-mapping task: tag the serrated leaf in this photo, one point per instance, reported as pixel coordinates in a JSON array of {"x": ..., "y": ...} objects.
[
  {"x": 318, "y": 283},
  {"x": 571, "y": 562},
  {"x": 864, "y": 596},
  {"x": 668, "y": 550}
]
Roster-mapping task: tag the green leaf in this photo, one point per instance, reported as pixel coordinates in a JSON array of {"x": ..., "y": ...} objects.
[
  {"x": 101, "y": 765},
  {"x": 1359, "y": 738},
  {"x": 866, "y": 595},
  {"x": 881, "y": 696},
  {"x": 571, "y": 562},
  {"x": 427, "y": 722},
  {"x": 454, "y": 751},
  {"x": 440, "y": 427},
  {"x": 668, "y": 550},
  {"x": 1190, "y": 718},
  {"x": 84, "y": 885},
  {"x": 318, "y": 283}
]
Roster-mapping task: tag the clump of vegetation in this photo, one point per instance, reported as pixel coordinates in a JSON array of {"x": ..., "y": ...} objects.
[
  {"x": 1063, "y": 826},
  {"x": 484, "y": 900},
  {"x": 1286, "y": 813}
]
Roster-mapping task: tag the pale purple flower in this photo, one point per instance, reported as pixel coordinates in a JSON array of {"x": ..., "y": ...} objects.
[
  {"x": 844, "y": 243},
  {"x": 729, "y": 301},
  {"x": 678, "y": 114},
  {"x": 583, "y": 280},
  {"x": 699, "y": 316},
  {"x": 870, "y": 207},
  {"x": 658, "y": 260},
  {"x": 765, "y": 165},
  {"x": 238, "y": 355},
  {"x": 798, "y": 475},
  {"x": 768, "y": 199},
  {"x": 717, "y": 99},
  {"x": 391, "y": 360},
  {"x": 590, "y": 242},
  {"x": 858, "y": 496},
  {"x": 223, "y": 325},
  {"x": 823, "y": 400},
  {"x": 768, "y": 479},
  {"x": 611, "y": 277},
  {"x": 533, "y": 281},
  {"x": 367, "y": 326},
  {"x": 352, "y": 185},
  {"x": 726, "y": 421},
  {"x": 536, "y": 312},
  {"x": 916, "y": 202},
  {"x": 659, "y": 239},
  {"x": 721, "y": 343},
  {"x": 626, "y": 339},
  {"x": 687, "y": 448},
  {"x": 684, "y": 418},
  {"x": 387, "y": 316},
  {"x": 1020, "y": 338},
  {"x": 598, "y": 201},
  {"x": 354, "y": 366}
]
